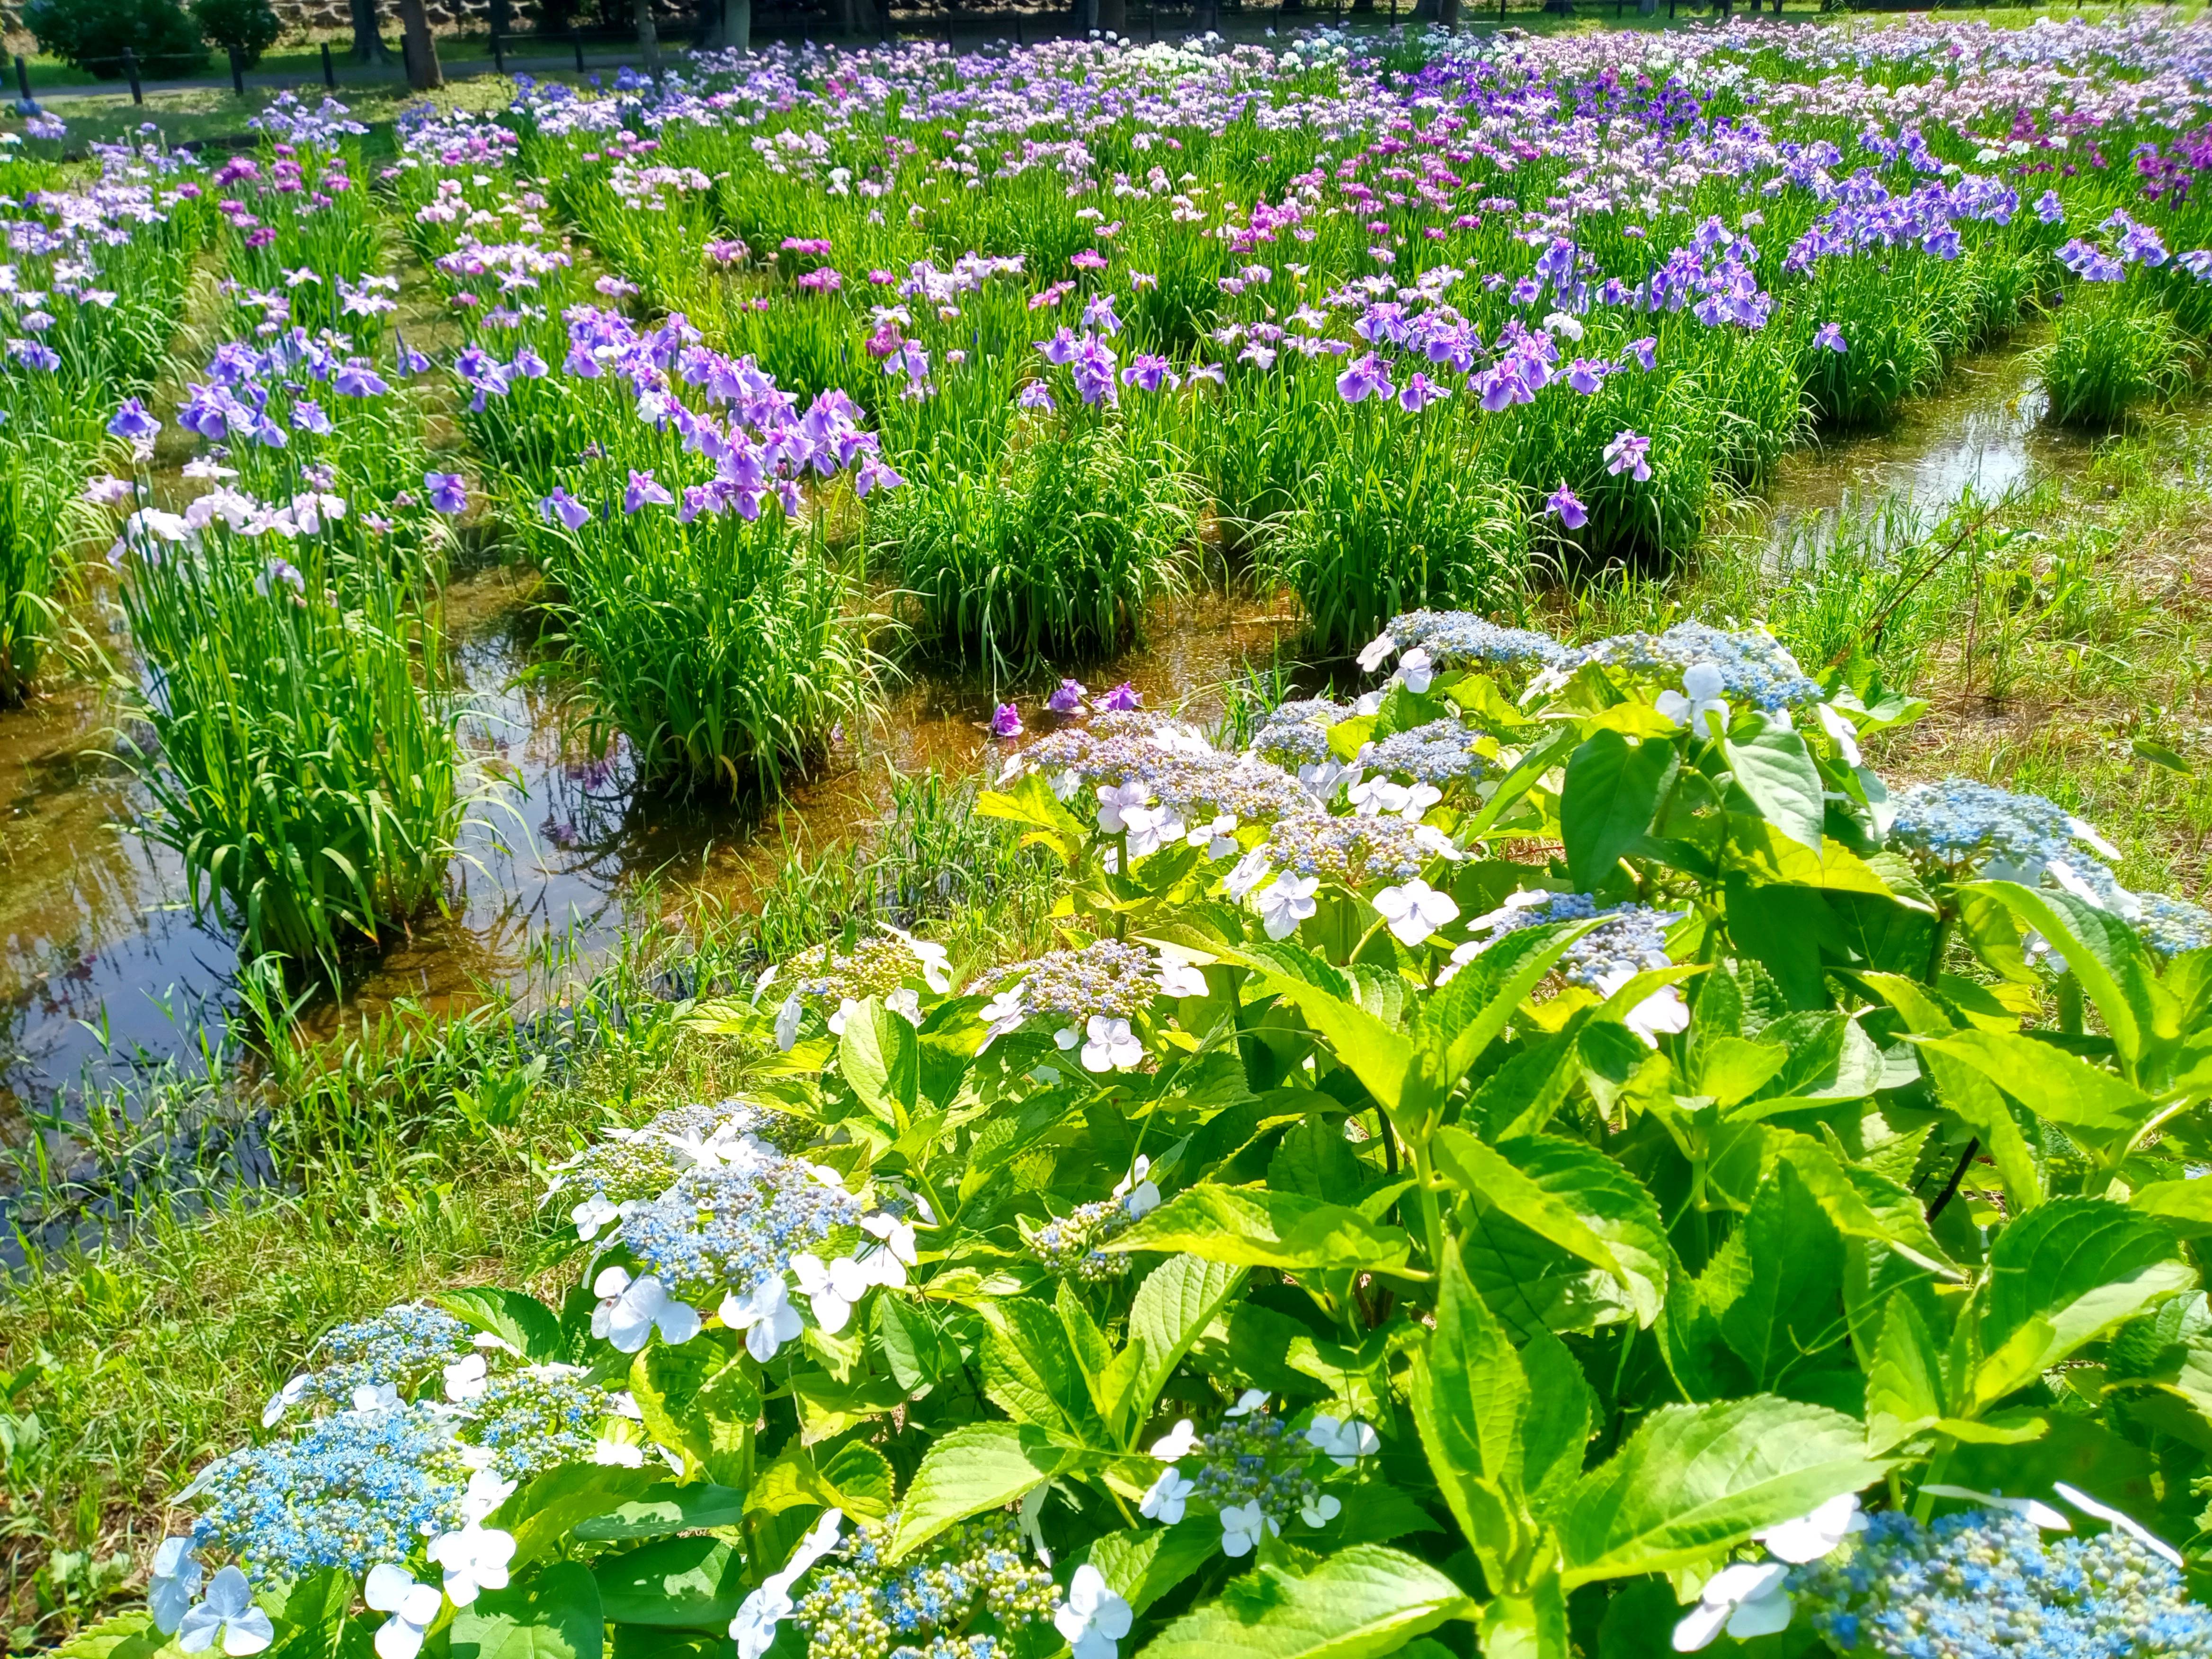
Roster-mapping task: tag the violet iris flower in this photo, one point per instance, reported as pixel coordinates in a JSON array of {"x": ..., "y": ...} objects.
[
  {"x": 357, "y": 379},
  {"x": 645, "y": 489},
  {"x": 1037, "y": 395},
  {"x": 448, "y": 491},
  {"x": 1420, "y": 392},
  {"x": 1068, "y": 700},
  {"x": 1830, "y": 338},
  {"x": 133, "y": 422},
  {"x": 1629, "y": 452},
  {"x": 566, "y": 507},
  {"x": 1570, "y": 511},
  {"x": 1364, "y": 376},
  {"x": 1122, "y": 699},
  {"x": 1006, "y": 721}
]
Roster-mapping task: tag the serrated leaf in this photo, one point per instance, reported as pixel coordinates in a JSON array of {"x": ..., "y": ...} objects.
[
  {"x": 1694, "y": 1480},
  {"x": 1612, "y": 790},
  {"x": 1358, "y": 1604},
  {"x": 667, "y": 1507},
  {"x": 553, "y": 1614},
  {"x": 523, "y": 1322},
  {"x": 982, "y": 1466},
  {"x": 1171, "y": 1309},
  {"x": 1254, "y": 1228},
  {"x": 690, "y": 1583},
  {"x": 1777, "y": 771}
]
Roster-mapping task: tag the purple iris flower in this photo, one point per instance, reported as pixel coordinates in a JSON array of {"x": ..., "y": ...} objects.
[
  {"x": 1037, "y": 395},
  {"x": 357, "y": 379},
  {"x": 411, "y": 362},
  {"x": 2049, "y": 208},
  {"x": 1058, "y": 348},
  {"x": 1943, "y": 243},
  {"x": 1420, "y": 392},
  {"x": 1502, "y": 387},
  {"x": 1830, "y": 338},
  {"x": 448, "y": 491},
  {"x": 1122, "y": 699},
  {"x": 1147, "y": 372},
  {"x": 1629, "y": 452},
  {"x": 1099, "y": 314},
  {"x": 1092, "y": 368},
  {"x": 528, "y": 365},
  {"x": 1571, "y": 511},
  {"x": 566, "y": 507},
  {"x": 873, "y": 475},
  {"x": 37, "y": 354},
  {"x": 1586, "y": 375},
  {"x": 133, "y": 422},
  {"x": 1526, "y": 292},
  {"x": 307, "y": 415},
  {"x": 270, "y": 435},
  {"x": 1645, "y": 351},
  {"x": 1068, "y": 700},
  {"x": 645, "y": 489},
  {"x": 1006, "y": 721},
  {"x": 1364, "y": 376}
]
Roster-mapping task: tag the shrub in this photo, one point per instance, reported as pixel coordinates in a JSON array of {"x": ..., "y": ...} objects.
[
  {"x": 2109, "y": 356},
  {"x": 249, "y": 27},
  {"x": 306, "y": 767},
  {"x": 1050, "y": 553},
  {"x": 1303, "y": 1255},
  {"x": 90, "y": 35}
]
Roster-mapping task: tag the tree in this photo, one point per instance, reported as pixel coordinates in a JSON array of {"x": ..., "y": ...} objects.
[
  {"x": 247, "y": 27},
  {"x": 91, "y": 34},
  {"x": 368, "y": 40},
  {"x": 421, "y": 48},
  {"x": 733, "y": 30},
  {"x": 649, "y": 37}
]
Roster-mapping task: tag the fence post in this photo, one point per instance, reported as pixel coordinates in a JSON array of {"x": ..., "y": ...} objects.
[
  {"x": 131, "y": 69},
  {"x": 330, "y": 71},
  {"x": 498, "y": 52},
  {"x": 23, "y": 79},
  {"x": 576, "y": 40}
]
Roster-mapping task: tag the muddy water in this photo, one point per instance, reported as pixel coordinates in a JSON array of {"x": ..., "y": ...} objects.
[{"x": 102, "y": 970}]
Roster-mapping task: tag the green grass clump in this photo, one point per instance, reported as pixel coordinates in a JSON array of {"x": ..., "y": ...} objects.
[
  {"x": 2110, "y": 357},
  {"x": 1050, "y": 553},
  {"x": 1405, "y": 521},
  {"x": 721, "y": 649},
  {"x": 305, "y": 764},
  {"x": 41, "y": 509}
]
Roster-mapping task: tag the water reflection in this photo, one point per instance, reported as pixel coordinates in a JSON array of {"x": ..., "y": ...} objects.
[{"x": 101, "y": 973}]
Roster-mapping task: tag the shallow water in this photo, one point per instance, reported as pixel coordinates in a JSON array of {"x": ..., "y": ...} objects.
[{"x": 100, "y": 969}]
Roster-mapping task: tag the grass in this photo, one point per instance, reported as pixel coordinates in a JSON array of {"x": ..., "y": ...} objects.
[
  {"x": 1052, "y": 552},
  {"x": 2112, "y": 356},
  {"x": 305, "y": 765}
]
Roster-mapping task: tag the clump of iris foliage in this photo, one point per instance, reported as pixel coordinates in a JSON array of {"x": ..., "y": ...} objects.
[{"x": 1551, "y": 1151}]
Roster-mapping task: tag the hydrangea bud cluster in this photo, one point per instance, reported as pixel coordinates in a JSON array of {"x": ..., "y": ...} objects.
[
  {"x": 1456, "y": 639},
  {"x": 1068, "y": 1247},
  {"x": 1632, "y": 939},
  {"x": 861, "y": 1608},
  {"x": 347, "y": 1491},
  {"x": 626, "y": 1166},
  {"x": 727, "y": 1227},
  {"x": 399, "y": 1348},
  {"x": 1960, "y": 827},
  {"x": 2169, "y": 926},
  {"x": 1146, "y": 762},
  {"x": 1355, "y": 851},
  {"x": 1983, "y": 1583},
  {"x": 877, "y": 966},
  {"x": 538, "y": 1419},
  {"x": 1440, "y": 753},
  {"x": 1296, "y": 733},
  {"x": 1753, "y": 667},
  {"x": 1108, "y": 978},
  {"x": 1257, "y": 1458}
]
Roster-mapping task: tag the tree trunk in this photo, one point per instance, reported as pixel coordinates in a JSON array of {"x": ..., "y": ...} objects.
[
  {"x": 649, "y": 37},
  {"x": 1424, "y": 11},
  {"x": 421, "y": 48},
  {"x": 367, "y": 42},
  {"x": 1112, "y": 16},
  {"x": 843, "y": 22},
  {"x": 737, "y": 25},
  {"x": 1447, "y": 13}
]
